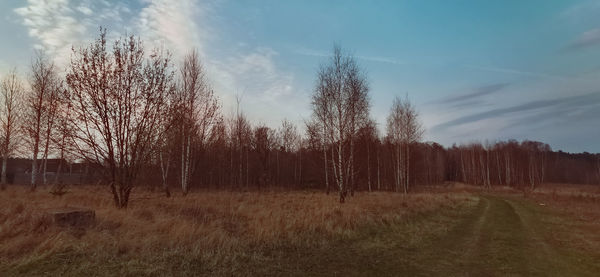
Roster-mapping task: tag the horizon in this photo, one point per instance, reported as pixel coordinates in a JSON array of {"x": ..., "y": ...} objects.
[{"x": 475, "y": 72}]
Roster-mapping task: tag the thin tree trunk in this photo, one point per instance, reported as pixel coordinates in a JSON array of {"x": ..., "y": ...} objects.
[
  {"x": 183, "y": 163},
  {"x": 34, "y": 169},
  {"x": 487, "y": 166},
  {"x": 407, "y": 168},
  {"x": 351, "y": 167},
  {"x": 508, "y": 173},
  {"x": 3, "y": 182},
  {"x": 462, "y": 164},
  {"x": 368, "y": 167},
  {"x": 44, "y": 166},
  {"x": 326, "y": 176},
  {"x": 59, "y": 169},
  {"x": 240, "y": 165},
  {"x": 300, "y": 175},
  {"x": 340, "y": 176},
  {"x": 378, "y": 176},
  {"x": 399, "y": 171},
  {"x": 498, "y": 167},
  {"x": 164, "y": 169}
]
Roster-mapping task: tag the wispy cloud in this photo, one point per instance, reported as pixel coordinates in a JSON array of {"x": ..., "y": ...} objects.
[
  {"x": 178, "y": 26},
  {"x": 173, "y": 24},
  {"x": 517, "y": 72},
  {"x": 381, "y": 59},
  {"x": 184, "y": 25},
  {"x": 564, "y": 104},
  {"x": 475, "y": 95},
  {"x": 586, "y": 11},
  {"x": 53, "y": 24},
  {"x": 378, "y": 59},
  {"x": 57, "y": 25},
  {"x": 587, "y": 39}
]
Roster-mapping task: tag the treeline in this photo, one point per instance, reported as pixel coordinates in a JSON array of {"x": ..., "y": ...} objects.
[
  {"x": 137, "y": 118},
  {"x": 266, "y": 163}
]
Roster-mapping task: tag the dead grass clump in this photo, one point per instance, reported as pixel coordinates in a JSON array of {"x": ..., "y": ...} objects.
[
  {"x": 200, "y": 214},
  {"x": 108, "y": 225},
  {"x": 41, "y": 223},
  {"x": 145, "y": 214},
  {"x": 17, "y": 209}
]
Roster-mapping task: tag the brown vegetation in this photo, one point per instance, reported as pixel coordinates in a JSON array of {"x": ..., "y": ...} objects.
[{"x": 218, "y": 225}]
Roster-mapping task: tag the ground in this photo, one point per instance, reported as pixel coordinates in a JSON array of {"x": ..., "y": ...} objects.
[{"x": 459, "y": 231}]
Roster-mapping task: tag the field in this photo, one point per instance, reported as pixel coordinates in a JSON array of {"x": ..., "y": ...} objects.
[{"x": 458, "y": 231}]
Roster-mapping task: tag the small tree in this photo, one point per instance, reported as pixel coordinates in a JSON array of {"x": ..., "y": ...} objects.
[
  {"x": 403, "y": 128},
  {"x": 45, "y": 84},
  {"x": 198, "y": 114},
  {"x": 11, "y": 93},
  {"x": 118, "y": 100}
]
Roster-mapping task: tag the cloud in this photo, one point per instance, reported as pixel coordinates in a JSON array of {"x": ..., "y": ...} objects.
[
  {"x": 52, "y": 24},
  {"x": 321, "y": 54},
  {"x": 311, "y": 52},
  {"x": 381, "y": 59},
  {"x": 517, "y": 72},
  {"x": 178, "y": 26},
  {"x": 266, "y": 90},
  {"x": 248, "y": 72},
  {"x": 584, "y": 11},
  {"x": 556, "y": 106},
  {"x": 173, "y": 24},
  {"x": 57, "y": 25},
  {"x": 473, "y": 96},
  {"x": 587, "y": 39}
]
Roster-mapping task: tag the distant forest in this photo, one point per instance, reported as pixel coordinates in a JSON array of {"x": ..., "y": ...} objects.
[{"x": 131, "y": 117}]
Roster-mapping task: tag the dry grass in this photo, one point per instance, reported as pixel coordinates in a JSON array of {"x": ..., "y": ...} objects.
[
  {"x": 579, "y": 203},
  {"x": 219, "y": 228}
]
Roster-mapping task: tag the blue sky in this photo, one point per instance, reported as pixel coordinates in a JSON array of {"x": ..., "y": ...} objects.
[{"x": 476, "y": 70}]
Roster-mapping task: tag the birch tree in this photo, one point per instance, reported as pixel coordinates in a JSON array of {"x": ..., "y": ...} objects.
[
  {"x": 340, "y": 102},
  {"x": 11, "y": 93},
  {"x": 403, "y": 129},
  {"x": 198, "y": 114},
  {"x": 44, "y": 85}
]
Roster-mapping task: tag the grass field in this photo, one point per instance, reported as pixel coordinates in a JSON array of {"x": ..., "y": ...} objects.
[{"x": 454, "y": 232}]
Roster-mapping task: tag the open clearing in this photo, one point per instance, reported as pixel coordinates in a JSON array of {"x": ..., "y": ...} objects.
[{"x": 305, "y": 233}]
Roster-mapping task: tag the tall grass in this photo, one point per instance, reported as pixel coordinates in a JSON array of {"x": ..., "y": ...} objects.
[{"x": 216, "y": 226}]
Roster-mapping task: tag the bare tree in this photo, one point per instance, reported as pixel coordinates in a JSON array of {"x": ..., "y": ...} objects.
[
  {"x": 198, "y": 114},
  {"x": 44, "y": 86},
  {"x": 241, "y": 133},
  {"x": 11, "y": 93},
  {"x": 51, "y": 106},
  {"x": 118, "y": 101},
  {"x": 263, "y": 144},
  {"x": 316, "y": 133},
  {"x": 368, "y": 135},
  {"x": 168, "y": 143},
  {"x": 290, "y": 143},
  {"x": 403, "y": 129},
  {"x": 395, "y": 133},
  {"x": 340, "y": 102},
  {"x": 62, "y": 132}
]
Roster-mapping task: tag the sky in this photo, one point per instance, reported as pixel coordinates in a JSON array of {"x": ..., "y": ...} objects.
[{"x": 475, "y": 70}]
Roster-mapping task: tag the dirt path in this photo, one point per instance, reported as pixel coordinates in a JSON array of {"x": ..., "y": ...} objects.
[
  {"x": 505, "y": 236},
  {"x": 499, "y": 236}
]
